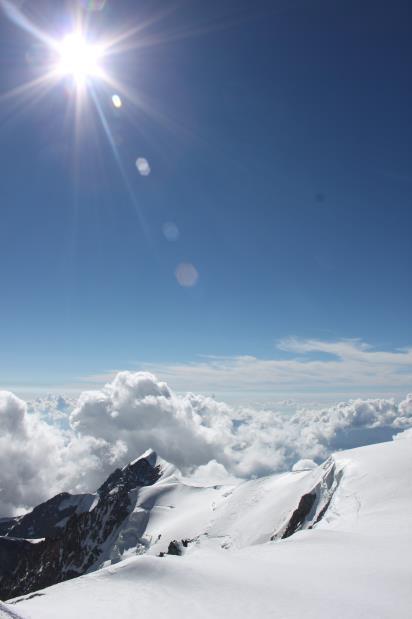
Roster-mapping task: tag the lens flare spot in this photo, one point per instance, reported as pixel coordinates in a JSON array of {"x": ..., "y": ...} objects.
[
  {"x": 117, "y": 102},
  {"x": 170, "y": 231},
  {"x": 143, "y": 166},
  {"x": 186, "y": 275}
]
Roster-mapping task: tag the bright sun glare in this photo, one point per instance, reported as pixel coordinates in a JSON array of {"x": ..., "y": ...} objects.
[{"x": 79, "y": 58}]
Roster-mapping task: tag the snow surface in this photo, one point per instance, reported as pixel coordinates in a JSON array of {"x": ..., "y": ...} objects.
[
  {"x": 6, "y": 612},
  {"x": 354, "y": 563}
]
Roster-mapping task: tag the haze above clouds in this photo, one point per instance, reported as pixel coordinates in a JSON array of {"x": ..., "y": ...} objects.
[{"x": 301, "y": 367}]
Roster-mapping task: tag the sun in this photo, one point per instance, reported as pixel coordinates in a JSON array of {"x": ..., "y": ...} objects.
[{"x": 78, "y": 58}]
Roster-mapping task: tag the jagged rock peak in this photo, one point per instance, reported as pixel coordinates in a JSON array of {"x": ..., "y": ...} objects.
[
  {"x": 77, "y": 543},
  {"x": 143, "y": 471},
  {"x": 150, "y": 455}
]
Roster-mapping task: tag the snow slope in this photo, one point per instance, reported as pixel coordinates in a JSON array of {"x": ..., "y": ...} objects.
[{"x": 351, "y": 557}]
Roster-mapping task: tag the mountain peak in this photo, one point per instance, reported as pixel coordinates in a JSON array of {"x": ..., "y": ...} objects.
[
  {"x": 149, "y": 455},
  {"x": 143, "y": 471},
  {"x": 78, "y": 542}
]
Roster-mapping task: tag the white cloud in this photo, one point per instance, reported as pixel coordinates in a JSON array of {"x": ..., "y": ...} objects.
[
  {"x": 12, "y": 411},
  {"x": 212, "y": 473},
  {"x": 191, "y": 430},
  {"x": 38, "y": 459},
  {"x": 303, "y": 366},
  {"x": 143, "y": 412},
  {"x": 53, "y": 407},
  {"x": 44, "y": 449}
]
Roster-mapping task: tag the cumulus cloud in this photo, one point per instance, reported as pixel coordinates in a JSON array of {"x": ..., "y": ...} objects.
[
  {"x": 141, "y": 411},
  {"x": 53, "y": 407},
  {"x": 56, "y": 444},
  {"x": 191, "y": 430},
  {"x": 38, "y": 459},
  {"x": 12, "y": 411},
  {"x": 212, "y": 473}
]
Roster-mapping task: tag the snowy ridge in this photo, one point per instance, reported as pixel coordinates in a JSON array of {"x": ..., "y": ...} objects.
[
  {"x": 8, "y": 613},
  {"x": 230, "y": 516},
  {"x": 345, "y": 556},
  {"x": 314, "y": 504}
]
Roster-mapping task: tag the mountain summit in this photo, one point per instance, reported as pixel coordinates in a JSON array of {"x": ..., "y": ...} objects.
[{"x": 70, "y": 535}]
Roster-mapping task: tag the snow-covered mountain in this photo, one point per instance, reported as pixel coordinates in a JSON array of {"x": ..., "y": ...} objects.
[
  {"x": 334, "y": 541},
  {"x": 70, "y": 535}
]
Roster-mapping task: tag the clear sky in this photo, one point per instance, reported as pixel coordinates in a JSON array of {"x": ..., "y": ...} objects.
[{"x": 278, "y": 135}]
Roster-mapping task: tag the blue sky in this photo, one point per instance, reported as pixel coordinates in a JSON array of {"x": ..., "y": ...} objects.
[{"x": 278, "y": 136}]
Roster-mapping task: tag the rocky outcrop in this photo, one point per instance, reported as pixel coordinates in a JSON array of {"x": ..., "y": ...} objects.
[
  {"x": 49, "y": 517},
  {"x": 314, "y": 505},
  {"x": 300, "y": 514},
  {"x": 6, "y": 524},
  {"x": 80, "y": 544},
  {"x": 176, "y": 548}
]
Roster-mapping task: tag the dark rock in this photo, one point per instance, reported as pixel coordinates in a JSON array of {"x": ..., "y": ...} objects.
[
  {"x": 139, "y": 473},
  {"x": 299, "y": 515},
  {"x": 174, "y": 549},
  {"x": 323, "y": 511},
  {"x": 11, "y": 551},
  {"x": 6, "y": 524},
  {"x": 79, "y": 545},
  {"x": 44, "y": 520}
]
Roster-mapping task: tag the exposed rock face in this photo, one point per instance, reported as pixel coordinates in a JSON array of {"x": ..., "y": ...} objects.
[
  {"x": 11, "y": 551},
  {"x": 299, "y": 515},
  {"x": 176, "y": 548},
  {"x": 77, "y": 544},
  {"x": 313, "y": 505},
  {"x": 138, "y": 473},
  {"x": 6, "y": 524},
  {"x": 47, "y": 519}
]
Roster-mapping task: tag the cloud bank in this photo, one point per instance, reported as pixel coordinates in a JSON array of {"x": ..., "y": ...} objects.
[{"x": 55, "y": 444}]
